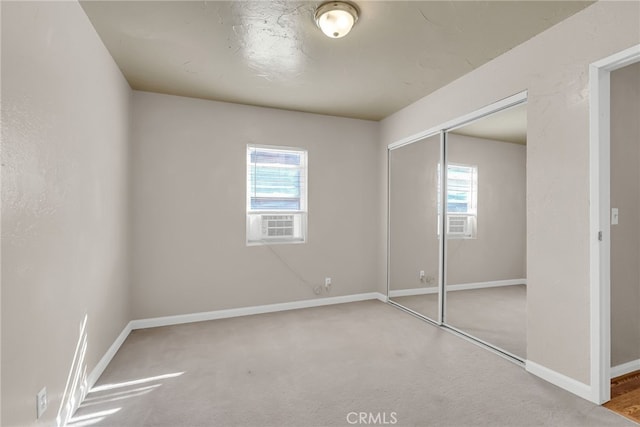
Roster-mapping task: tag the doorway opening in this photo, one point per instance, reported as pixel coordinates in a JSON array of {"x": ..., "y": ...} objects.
[{"x": 602, "y": 220}]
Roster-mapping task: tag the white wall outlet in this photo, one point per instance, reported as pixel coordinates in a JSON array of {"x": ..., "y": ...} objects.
[
  {"x": 41, "y": 402},
  {"x": 422, "y": 275},
  {"x": 327, "y": 283}
]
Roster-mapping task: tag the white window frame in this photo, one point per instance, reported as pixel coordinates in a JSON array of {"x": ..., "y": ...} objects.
[
  {"x": 272, "y": 226},
  {"x": 470, "y": 217}
]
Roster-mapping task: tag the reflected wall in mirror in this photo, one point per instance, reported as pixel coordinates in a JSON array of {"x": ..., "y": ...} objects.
[
  {"x": 414, "y": 248},
  {"x": 486, "y": 230}
]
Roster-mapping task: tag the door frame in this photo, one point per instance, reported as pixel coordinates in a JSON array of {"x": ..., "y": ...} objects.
[{"x": 599, "y": 223}]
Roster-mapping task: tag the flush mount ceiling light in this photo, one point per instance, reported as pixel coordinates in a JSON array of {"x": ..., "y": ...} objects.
[{"x": 336, "y": 18}]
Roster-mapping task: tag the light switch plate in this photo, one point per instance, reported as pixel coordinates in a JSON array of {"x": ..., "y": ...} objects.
[{"x": 614, "y": 216}]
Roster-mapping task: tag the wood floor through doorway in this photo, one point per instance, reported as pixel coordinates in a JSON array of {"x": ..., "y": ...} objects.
[{"x": 625, "y": 396}]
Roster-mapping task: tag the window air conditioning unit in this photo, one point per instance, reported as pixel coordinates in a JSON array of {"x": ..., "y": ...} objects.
[
  {"x": 460, "y": 225},
  {"x": 277, "y": 227}
]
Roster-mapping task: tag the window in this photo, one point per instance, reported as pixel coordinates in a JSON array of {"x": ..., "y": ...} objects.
[
  {"x": 462, "y": 200},
  {"x": 276, "y": 195}
]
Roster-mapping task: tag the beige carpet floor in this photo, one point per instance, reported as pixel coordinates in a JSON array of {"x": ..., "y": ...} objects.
[
  {"x": 313, "y": 367},
  {"x": 496, "y": 315}
]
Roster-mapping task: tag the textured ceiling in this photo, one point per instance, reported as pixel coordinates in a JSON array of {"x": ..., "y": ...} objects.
[
  {"x": 508, "y": 125},
  {"x": 270, "y": 53}
]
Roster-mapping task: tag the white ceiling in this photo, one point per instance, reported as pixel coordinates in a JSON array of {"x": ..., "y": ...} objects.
[
  {"x": 508, "y": 125},
  {"x": 270, "y": 53}
]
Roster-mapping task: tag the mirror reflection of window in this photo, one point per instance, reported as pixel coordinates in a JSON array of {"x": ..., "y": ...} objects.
[
  {"x": 485, "y": 249},
  {"x": 462, "y": 201},
  {"x": 483, "y": 289}
]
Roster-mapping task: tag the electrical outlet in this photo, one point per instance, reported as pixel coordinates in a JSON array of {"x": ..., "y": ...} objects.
[
  {"x": 41, "y": 402},
  {"x": 422, "y": 275},
  {"x": 327, "y": 283}
]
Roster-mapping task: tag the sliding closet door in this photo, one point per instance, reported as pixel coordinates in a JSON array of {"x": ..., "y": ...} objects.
[
  {"x": 414, "y": 248},
  {"x": 486, "y": 230}
]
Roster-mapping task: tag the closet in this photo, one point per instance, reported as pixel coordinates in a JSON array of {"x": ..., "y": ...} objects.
[{"x": 457, "y": 233}]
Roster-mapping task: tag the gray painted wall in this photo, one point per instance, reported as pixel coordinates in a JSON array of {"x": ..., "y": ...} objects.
[
  {"x": 625, "y": 195},
  {"x": 65, "y": 159},
  {"x": 189, "y": 186},
  {"x": 553, "y": 67},
  {"x": 499, "y": 250},
  {"x": 413, "y": 203},
  {"x": 65, "y": 177}
]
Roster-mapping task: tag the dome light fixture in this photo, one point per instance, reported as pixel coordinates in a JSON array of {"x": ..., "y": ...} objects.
[{"x": 336, "y": 18}]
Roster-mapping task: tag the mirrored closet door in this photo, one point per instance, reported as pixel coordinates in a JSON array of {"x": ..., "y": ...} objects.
[
  {"x": 474, "y": 280},
  {"x": 486, "y": 230},
  {"x": 414, "y": 248}
]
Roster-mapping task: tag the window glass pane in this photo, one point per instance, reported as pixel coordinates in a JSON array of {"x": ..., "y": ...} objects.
[
  {"x": 276, "y": 195},
  {"x": 457, "y": 207},
  {"x": 462, "y": 194},
  {"x": 275, "y": 180},
  {"x": 460, "y": 188},
  {"x": 278, "y": 157},
  {"x": 272, "y": 204}
]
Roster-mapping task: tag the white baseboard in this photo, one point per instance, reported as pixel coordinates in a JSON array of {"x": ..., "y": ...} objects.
[
  {"x": 97, "y": 371},
  {"x": 481, "y": 285},
  {"x": 92, "y": 378},
  {"x": 412, "y": 292},
  {"x": 106, "y": 359},
  {"x": 247, "y": 311},
  {"x": 573, "y": 386},
  {"x": 625, "y": 368},
  {"x": 458, "y": 287}
]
